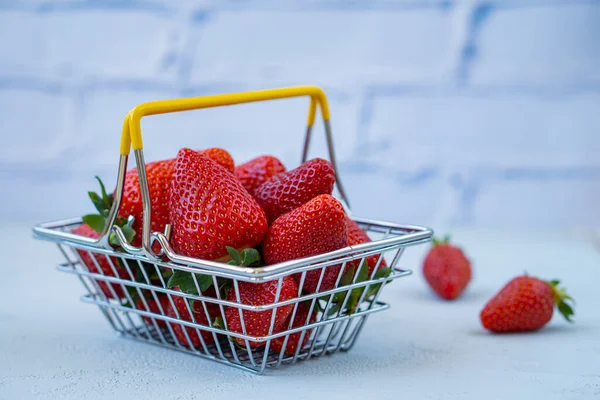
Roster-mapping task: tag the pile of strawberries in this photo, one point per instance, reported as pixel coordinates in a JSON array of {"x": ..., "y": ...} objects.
[
  {"x": 256, "y": 213},
  {"x": 259, "y": 213}
]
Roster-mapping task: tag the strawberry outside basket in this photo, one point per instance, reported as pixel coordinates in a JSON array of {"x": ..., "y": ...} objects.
[{"x": 336, "y": 326}]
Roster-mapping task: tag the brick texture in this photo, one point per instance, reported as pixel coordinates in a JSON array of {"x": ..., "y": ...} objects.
[{"x": 444, "y": 113}]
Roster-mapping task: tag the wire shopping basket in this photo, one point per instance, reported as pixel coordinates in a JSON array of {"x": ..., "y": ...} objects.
[{"x": 129, "y": 284}]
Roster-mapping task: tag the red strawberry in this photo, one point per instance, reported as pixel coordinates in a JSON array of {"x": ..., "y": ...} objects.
[
  {"x": 317, "y": 227},
  {"x": 199, "y": 315},
  {"x": 259, "y": 294},
  {"x": 446, "y": 269},
  {"x": 524, "y": 304},
  {"x": 154, "y": 308},
  {"x": 255, "y": 172},
  {"x": 220, "y": 156},
  {"x": 356, "y": 236},
  {"x": 300, "y": 319},
  {"x": 289, "y": 190},
  {"x": 102, "y": 260},
  {"x": 159, "y": 175},
  {"x": 210, "y": 209}
]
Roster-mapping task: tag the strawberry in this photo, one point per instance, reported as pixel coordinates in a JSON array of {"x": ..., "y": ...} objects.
[
  {"x": 289, "y": 190},
  {"x": 102, "y": 260},
  {"x": 153, "y": 307},
  {"x": 255, "y": 172},
  {"x": 257, "y": 323},
  {"x": 446, "y": 269},
  {"x": 316, "y": 227},
  {"x": 356, "y": 235},
  {"x": 300, "y": 319},
  {"x": 159, "y": 175},
  {"x": 210, "y": 209},
  {"x": 182, "y": 305},
  {"x": 525, "y": 303},
  {"x": 220, "y": 156}
]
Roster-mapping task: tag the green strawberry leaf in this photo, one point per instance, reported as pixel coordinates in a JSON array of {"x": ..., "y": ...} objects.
[
  {"x": 107, "y": 200},
  {"x": 185, "y": 281},
  {"x": 363, "y": 275},
  {"x": 437, "y": 241},
  {"x": 566, "y": 310},
  {"x": 235, "y": 256},
  {"x": 219, "y": 323},
  {"x": 250, "y": 257},
  {"x": 348, "y": 276},
  {"x": 133, "y": 294},
  {"x": 95, "y": 221},
  {"x": 381, "y": 273},
  {"x": 224, "y": 286},
  {"x": 335, "y": 308},
  {"x": 129, "y": 232},
  {"x": 99, "y": 204},
  {"x": 363, "y": 272},
  {"x": 247, "y": 258},
  {"x": 561, "y": 298},
  {"x": 147, "y": 270}
]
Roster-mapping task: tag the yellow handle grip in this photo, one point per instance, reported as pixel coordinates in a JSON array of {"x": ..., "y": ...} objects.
[{"x": 132, "y": 134}]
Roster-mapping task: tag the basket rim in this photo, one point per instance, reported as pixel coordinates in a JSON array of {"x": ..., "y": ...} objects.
[{"x": 405, "y": 235}]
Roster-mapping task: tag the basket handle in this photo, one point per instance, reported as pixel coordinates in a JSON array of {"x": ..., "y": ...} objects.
[{"x": 132, "y": 137}]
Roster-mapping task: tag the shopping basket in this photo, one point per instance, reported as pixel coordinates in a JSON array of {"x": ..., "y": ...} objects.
[{"x": 330, "y": 326}]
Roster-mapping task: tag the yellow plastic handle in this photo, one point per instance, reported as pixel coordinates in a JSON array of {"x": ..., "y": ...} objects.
[{"x": 132, "y": 135}]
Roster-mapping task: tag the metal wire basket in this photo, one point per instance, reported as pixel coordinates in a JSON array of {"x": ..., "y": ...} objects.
[{"x": 129, "y": 285}]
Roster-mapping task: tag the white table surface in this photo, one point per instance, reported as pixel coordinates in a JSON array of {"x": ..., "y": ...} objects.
[{"x": 52, "y": 346}]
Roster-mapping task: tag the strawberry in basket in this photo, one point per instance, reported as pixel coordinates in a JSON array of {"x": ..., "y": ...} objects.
[
  {"x": 159, "y": 175},
  {"x": 257, "y": 171},
  {"x": 220, "y": 156},
  {"x": 92, "y": 227},
  {"x": 356, "y": 235},
  {"x": 154, "y": 307},
  {"x": 182, "y": 311},
  {"x": 289, "y": 190},
  {"x": 257, "y": 323},
  {"x": 209, "y": 209},
  {"x": 293, "y": 341},
  {"x": 102, "y": 261},
  {"x": 316, "y": 227}
]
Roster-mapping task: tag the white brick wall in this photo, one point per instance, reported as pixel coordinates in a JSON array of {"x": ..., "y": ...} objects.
[
  {"x": 445, "y": 112},
  {"x": 543, "y": 45},
  {"x": 288, "y": 47}
]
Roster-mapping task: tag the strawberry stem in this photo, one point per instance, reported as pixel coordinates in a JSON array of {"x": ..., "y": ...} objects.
[
  {"x": 561, "y": 298},
  {"x": 437, "y": 241}
]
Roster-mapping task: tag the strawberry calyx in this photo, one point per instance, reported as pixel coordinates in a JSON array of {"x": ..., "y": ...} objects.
[
  {"x": 248, "y": 257},
  {"x": 561, "y": 298},
  {"x": 190, "y": 283},
  {"x": 103, "y": 203},
  {"x": 355, "y": 294},
  {"x": 439, "y": 241}
]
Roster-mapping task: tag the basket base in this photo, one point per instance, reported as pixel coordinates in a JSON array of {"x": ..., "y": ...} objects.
[{"x": 327, "y": 339}]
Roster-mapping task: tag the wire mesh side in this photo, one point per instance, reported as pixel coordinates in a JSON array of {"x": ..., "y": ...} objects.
[{"x": 317, "y": 311}]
